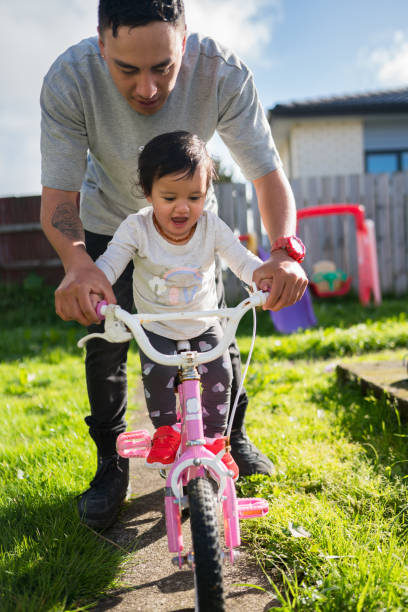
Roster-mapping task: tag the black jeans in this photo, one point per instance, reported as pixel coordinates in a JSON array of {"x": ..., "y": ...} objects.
[{"x": 106, "y": 364}]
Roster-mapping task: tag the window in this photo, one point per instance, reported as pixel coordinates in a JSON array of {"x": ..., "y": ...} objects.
[{"x": 386, "y": 161}]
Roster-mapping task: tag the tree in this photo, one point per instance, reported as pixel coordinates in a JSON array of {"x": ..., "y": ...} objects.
[{"x": 223, "y": 175}]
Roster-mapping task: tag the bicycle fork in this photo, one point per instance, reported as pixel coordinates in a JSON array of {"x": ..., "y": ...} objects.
[{"x": 194, "y": 461}]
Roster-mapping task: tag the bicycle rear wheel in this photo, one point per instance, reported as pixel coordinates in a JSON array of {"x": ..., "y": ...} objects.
[{"x": 208, "y": 570}]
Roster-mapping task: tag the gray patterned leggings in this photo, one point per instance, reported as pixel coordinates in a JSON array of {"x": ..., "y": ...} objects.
[{"x": 216, "y": 377}]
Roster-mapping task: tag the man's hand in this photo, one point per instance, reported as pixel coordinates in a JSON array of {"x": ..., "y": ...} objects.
[
  {"x": 73, "y": 301},
  {"x": 283, "y": 277}
]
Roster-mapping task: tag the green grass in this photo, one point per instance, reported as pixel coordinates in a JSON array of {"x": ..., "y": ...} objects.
[
  {"x": 341, "y": 462},
  {"x": 48, "y": 560}
]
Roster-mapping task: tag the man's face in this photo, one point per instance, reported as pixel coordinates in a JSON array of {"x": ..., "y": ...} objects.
[{"x": 144, "y": 63}]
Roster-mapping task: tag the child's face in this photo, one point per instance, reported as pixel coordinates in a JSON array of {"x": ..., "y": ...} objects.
[{"x": 179, "y": 202}]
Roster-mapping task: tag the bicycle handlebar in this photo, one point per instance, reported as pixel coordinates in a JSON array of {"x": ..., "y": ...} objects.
[{"x": 115, "y": 331}]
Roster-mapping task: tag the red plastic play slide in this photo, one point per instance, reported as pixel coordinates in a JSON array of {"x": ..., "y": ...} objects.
[{"x": 368, "y": 278}]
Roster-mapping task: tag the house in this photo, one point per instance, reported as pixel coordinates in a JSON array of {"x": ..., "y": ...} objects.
[{"x": 344, "y": 135}]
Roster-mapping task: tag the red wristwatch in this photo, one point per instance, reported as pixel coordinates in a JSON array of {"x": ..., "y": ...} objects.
[{"x": 293, "y": 246}]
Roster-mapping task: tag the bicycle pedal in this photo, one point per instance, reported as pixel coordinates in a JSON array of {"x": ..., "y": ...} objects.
[
  {"x": 134, "y": 443},
  {"x": 252, "y": 507}
]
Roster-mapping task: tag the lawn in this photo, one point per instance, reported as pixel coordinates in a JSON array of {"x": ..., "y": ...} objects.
[{"x": 335, "y": 538}]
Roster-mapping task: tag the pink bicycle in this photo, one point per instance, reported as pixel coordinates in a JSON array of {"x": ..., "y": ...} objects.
[{"x": 198, "y": 479}]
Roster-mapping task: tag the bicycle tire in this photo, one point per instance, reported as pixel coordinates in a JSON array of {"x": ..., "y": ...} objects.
[{"x": 208, "y": 570}]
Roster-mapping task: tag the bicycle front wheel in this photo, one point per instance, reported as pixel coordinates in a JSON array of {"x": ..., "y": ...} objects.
[{"x": 208, "y": 569}]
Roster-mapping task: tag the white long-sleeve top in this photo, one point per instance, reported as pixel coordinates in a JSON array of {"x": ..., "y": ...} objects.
[{"x": 170, "y": 277}]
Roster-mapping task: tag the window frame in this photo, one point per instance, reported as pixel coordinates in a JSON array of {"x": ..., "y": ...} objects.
[{"x": 397, "y": 152}]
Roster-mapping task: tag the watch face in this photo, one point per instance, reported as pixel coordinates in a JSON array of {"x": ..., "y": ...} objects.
[
  {"x": 293, "y": 245},
  {"x": 296, "y": 245},
  {"x": 296, "y": 248}
]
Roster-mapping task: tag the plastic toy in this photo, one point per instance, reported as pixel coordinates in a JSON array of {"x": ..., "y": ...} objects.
[
  {"x": 368, "y": 278},
  {"x": 295, "y": 317},
  {"x": 251, "y": 240},
  {"x": 328, "y": 281}
]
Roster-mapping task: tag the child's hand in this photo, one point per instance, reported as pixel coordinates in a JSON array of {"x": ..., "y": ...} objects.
[
  {"x": 265, "y": 285},
  {"x": 262, "y": 280},
  {"x": 95, "y": 299}
]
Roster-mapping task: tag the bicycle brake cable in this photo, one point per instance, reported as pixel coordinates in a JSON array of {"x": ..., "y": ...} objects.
[{"x": 241, "y": 384}]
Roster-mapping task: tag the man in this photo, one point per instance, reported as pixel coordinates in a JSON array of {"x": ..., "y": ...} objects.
[{"x": 101, "y": 101}]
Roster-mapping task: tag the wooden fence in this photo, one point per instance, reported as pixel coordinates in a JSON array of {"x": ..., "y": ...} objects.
[
  {"x": 23, "y": 246},
  {"x": 385, "y": 198},
  {"x": 24, "y": 249}
]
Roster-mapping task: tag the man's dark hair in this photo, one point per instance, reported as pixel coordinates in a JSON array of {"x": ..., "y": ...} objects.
[
  {"x": 132, "y": 13},
  {"x": 173, "y": 153}
]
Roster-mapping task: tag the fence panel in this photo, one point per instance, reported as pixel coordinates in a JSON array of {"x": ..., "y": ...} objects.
[
  {"x": 23, "y": 246},
  {"x": 383, "y": 232},
  {"x": 233, "y": 209},
  {"x": 399, "y": 280},
  {"x": 385, "y": 197}
]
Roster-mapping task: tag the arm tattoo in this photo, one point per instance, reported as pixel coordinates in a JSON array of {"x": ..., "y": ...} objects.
[{"x": 65, "y": 219}]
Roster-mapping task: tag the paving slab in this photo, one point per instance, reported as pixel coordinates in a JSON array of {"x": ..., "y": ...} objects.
[{"x": 383, "y": 378}]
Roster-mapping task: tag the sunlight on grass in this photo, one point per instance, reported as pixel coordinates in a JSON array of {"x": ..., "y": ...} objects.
[{"x": 340, "y": 475}]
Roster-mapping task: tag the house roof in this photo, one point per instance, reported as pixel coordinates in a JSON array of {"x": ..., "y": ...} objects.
[{"x": 392, "y": 101}]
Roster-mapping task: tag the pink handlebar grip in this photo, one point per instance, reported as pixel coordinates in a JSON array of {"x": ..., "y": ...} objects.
[
  {"x": 252, "y": 507},
  {"x": 98, "y": 309},
  {"x": 133, "y": 443}
]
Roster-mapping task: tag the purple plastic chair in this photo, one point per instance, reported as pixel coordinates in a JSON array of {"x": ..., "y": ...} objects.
[{"x": 292, "y": 318}]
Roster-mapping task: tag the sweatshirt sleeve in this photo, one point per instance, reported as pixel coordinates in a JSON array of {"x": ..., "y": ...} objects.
[
  {"x": 121, "y": 249},
  {"x": 239, "y": 259},
  {"x": 243, "y": 125},
  {"x": 64, "y": 139}
]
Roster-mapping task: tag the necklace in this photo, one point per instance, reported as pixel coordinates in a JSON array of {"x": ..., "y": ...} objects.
[{"x": 170, "y": 238}]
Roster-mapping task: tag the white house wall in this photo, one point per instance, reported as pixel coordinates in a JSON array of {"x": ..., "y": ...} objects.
[
  {"x": 326, "y": 147},
  {"x": 284, "y": 153}
]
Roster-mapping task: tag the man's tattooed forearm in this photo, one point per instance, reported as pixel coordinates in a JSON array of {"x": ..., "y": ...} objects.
[{"x": 65, "y": 219}]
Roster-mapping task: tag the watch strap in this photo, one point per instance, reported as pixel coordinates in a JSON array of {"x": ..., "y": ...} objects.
[{"x": 286, "y": 242}]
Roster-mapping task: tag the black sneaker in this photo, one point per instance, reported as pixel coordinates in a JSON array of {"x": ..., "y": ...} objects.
[
  {"x": 248, "y": 458},
  {"x": 99, "y": 506}
]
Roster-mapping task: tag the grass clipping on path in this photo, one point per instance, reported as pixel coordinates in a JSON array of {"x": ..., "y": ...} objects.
[{"x": 335, "y": 537}]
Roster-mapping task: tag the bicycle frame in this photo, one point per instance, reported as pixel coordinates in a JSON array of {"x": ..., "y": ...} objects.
[{"x": 193, "y": 459}]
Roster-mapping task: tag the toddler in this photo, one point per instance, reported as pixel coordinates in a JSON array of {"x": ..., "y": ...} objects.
[{"x": 173, "y": 245}]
